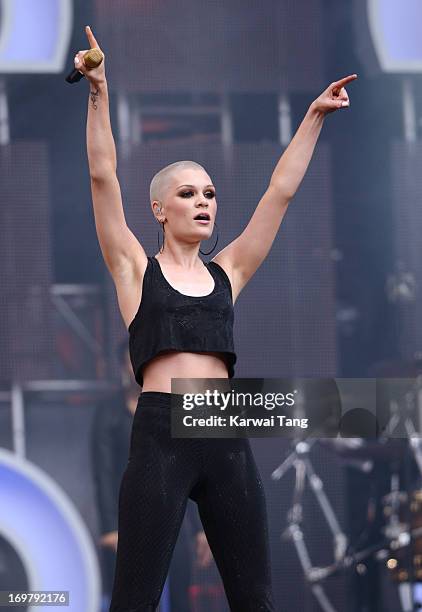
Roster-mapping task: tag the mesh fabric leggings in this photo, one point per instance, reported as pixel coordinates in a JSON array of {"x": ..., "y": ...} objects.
[{"x": 162, "y": 472}]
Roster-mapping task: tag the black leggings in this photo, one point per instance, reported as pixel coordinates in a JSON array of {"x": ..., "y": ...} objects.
[{"x": 162, "y": 472}]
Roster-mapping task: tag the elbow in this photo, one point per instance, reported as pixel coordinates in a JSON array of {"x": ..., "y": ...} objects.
[
  {"x": 102, "y": 174},
  {"x": 284, "y": 194}
]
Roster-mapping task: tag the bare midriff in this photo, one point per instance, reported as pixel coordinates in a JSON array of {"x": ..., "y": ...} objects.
[{"x": 157, "y": 373}]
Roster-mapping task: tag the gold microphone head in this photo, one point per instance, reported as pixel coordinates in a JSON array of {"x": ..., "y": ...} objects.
[{"x": 93, "y": 58}]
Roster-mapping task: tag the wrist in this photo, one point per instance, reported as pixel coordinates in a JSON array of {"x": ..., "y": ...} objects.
[
  {"x": 97, "y": 84},
  {"x": 315, "y": 111}
]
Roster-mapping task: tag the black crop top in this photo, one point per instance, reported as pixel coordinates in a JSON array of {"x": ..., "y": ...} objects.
[{"x": 170, "y": 320}]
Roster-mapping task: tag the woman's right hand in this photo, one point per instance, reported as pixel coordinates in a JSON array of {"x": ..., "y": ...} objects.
[{"x": 94, "y": 75}]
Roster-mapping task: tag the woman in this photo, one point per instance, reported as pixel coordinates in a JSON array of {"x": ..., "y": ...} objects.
[{"x": 179, "y": 314}]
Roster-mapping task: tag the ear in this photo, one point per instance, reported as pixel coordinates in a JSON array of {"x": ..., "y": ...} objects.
[{"x": 156, "y": 209}]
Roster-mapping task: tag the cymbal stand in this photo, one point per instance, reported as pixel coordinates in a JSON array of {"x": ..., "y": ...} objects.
[
  {"x": 398, "y": 533},
  {"x": 300, "y": 461}
]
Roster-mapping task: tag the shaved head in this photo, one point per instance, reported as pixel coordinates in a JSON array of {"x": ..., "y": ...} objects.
[{"x": 162, "y": 180}]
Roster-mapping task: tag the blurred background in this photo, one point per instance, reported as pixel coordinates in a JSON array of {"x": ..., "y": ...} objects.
[{"x": 224, "y": 83}]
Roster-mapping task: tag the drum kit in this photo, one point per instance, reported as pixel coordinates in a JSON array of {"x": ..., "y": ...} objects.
[{"x": 396, "y": 453}]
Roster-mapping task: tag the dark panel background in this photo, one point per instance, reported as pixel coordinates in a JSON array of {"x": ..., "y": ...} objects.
[
  {"x": 217, "y": 46},
  {"x": 318, "y": 304},
  {"x": 26, "y": 264}
]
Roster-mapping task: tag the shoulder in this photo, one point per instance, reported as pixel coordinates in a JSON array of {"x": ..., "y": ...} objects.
[
  {"x": 222, "y": 267},
  {"x": 224, "y": 264}
]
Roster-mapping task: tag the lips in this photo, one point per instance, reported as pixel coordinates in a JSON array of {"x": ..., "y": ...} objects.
[{"x": 202, "y": 217}]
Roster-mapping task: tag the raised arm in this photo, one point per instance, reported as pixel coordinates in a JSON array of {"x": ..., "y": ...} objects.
[
  {"x": 120, "y": 249},
  {"x": 242, "y": 257}
]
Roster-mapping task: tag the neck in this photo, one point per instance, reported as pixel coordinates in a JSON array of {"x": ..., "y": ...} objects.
[{"x": 180, "y": 256}]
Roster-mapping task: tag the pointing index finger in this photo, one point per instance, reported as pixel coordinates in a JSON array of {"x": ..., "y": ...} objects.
[
  {"x": 342, "y": 82},
  {"x": 91, "y": 38}
]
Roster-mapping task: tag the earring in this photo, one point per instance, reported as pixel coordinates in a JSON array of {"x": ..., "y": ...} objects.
[
  {"x": 160, "y": 248},
  {"x": 209, "y": 252},
  {"x": 158, "y": 233},
  {"x": 158, "y": 237}
]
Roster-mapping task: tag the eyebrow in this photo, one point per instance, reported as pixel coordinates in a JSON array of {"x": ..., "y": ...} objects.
[{"x": 193, "y": 186}]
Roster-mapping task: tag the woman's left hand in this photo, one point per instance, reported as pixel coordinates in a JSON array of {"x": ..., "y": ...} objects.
[{"x": 334, "y": 97}]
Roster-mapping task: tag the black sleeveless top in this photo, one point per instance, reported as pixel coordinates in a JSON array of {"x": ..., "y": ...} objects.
[{"x": 169, "y": 320}]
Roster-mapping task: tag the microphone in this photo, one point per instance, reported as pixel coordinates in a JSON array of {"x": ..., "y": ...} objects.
[{"x": 92, "y": 59}]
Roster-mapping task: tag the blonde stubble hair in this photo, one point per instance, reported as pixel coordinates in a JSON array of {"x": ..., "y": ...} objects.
[{"x": 162, "y": 180}]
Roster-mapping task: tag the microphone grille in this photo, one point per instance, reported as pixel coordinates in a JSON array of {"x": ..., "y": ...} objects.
[{"x": 93, "y": 58}]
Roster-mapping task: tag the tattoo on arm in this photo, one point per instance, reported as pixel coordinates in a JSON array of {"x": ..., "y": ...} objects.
[{"x": 94, "y": 97}]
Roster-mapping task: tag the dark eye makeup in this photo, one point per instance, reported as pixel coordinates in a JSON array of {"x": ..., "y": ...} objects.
[{"x": 184, "y": 193}]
